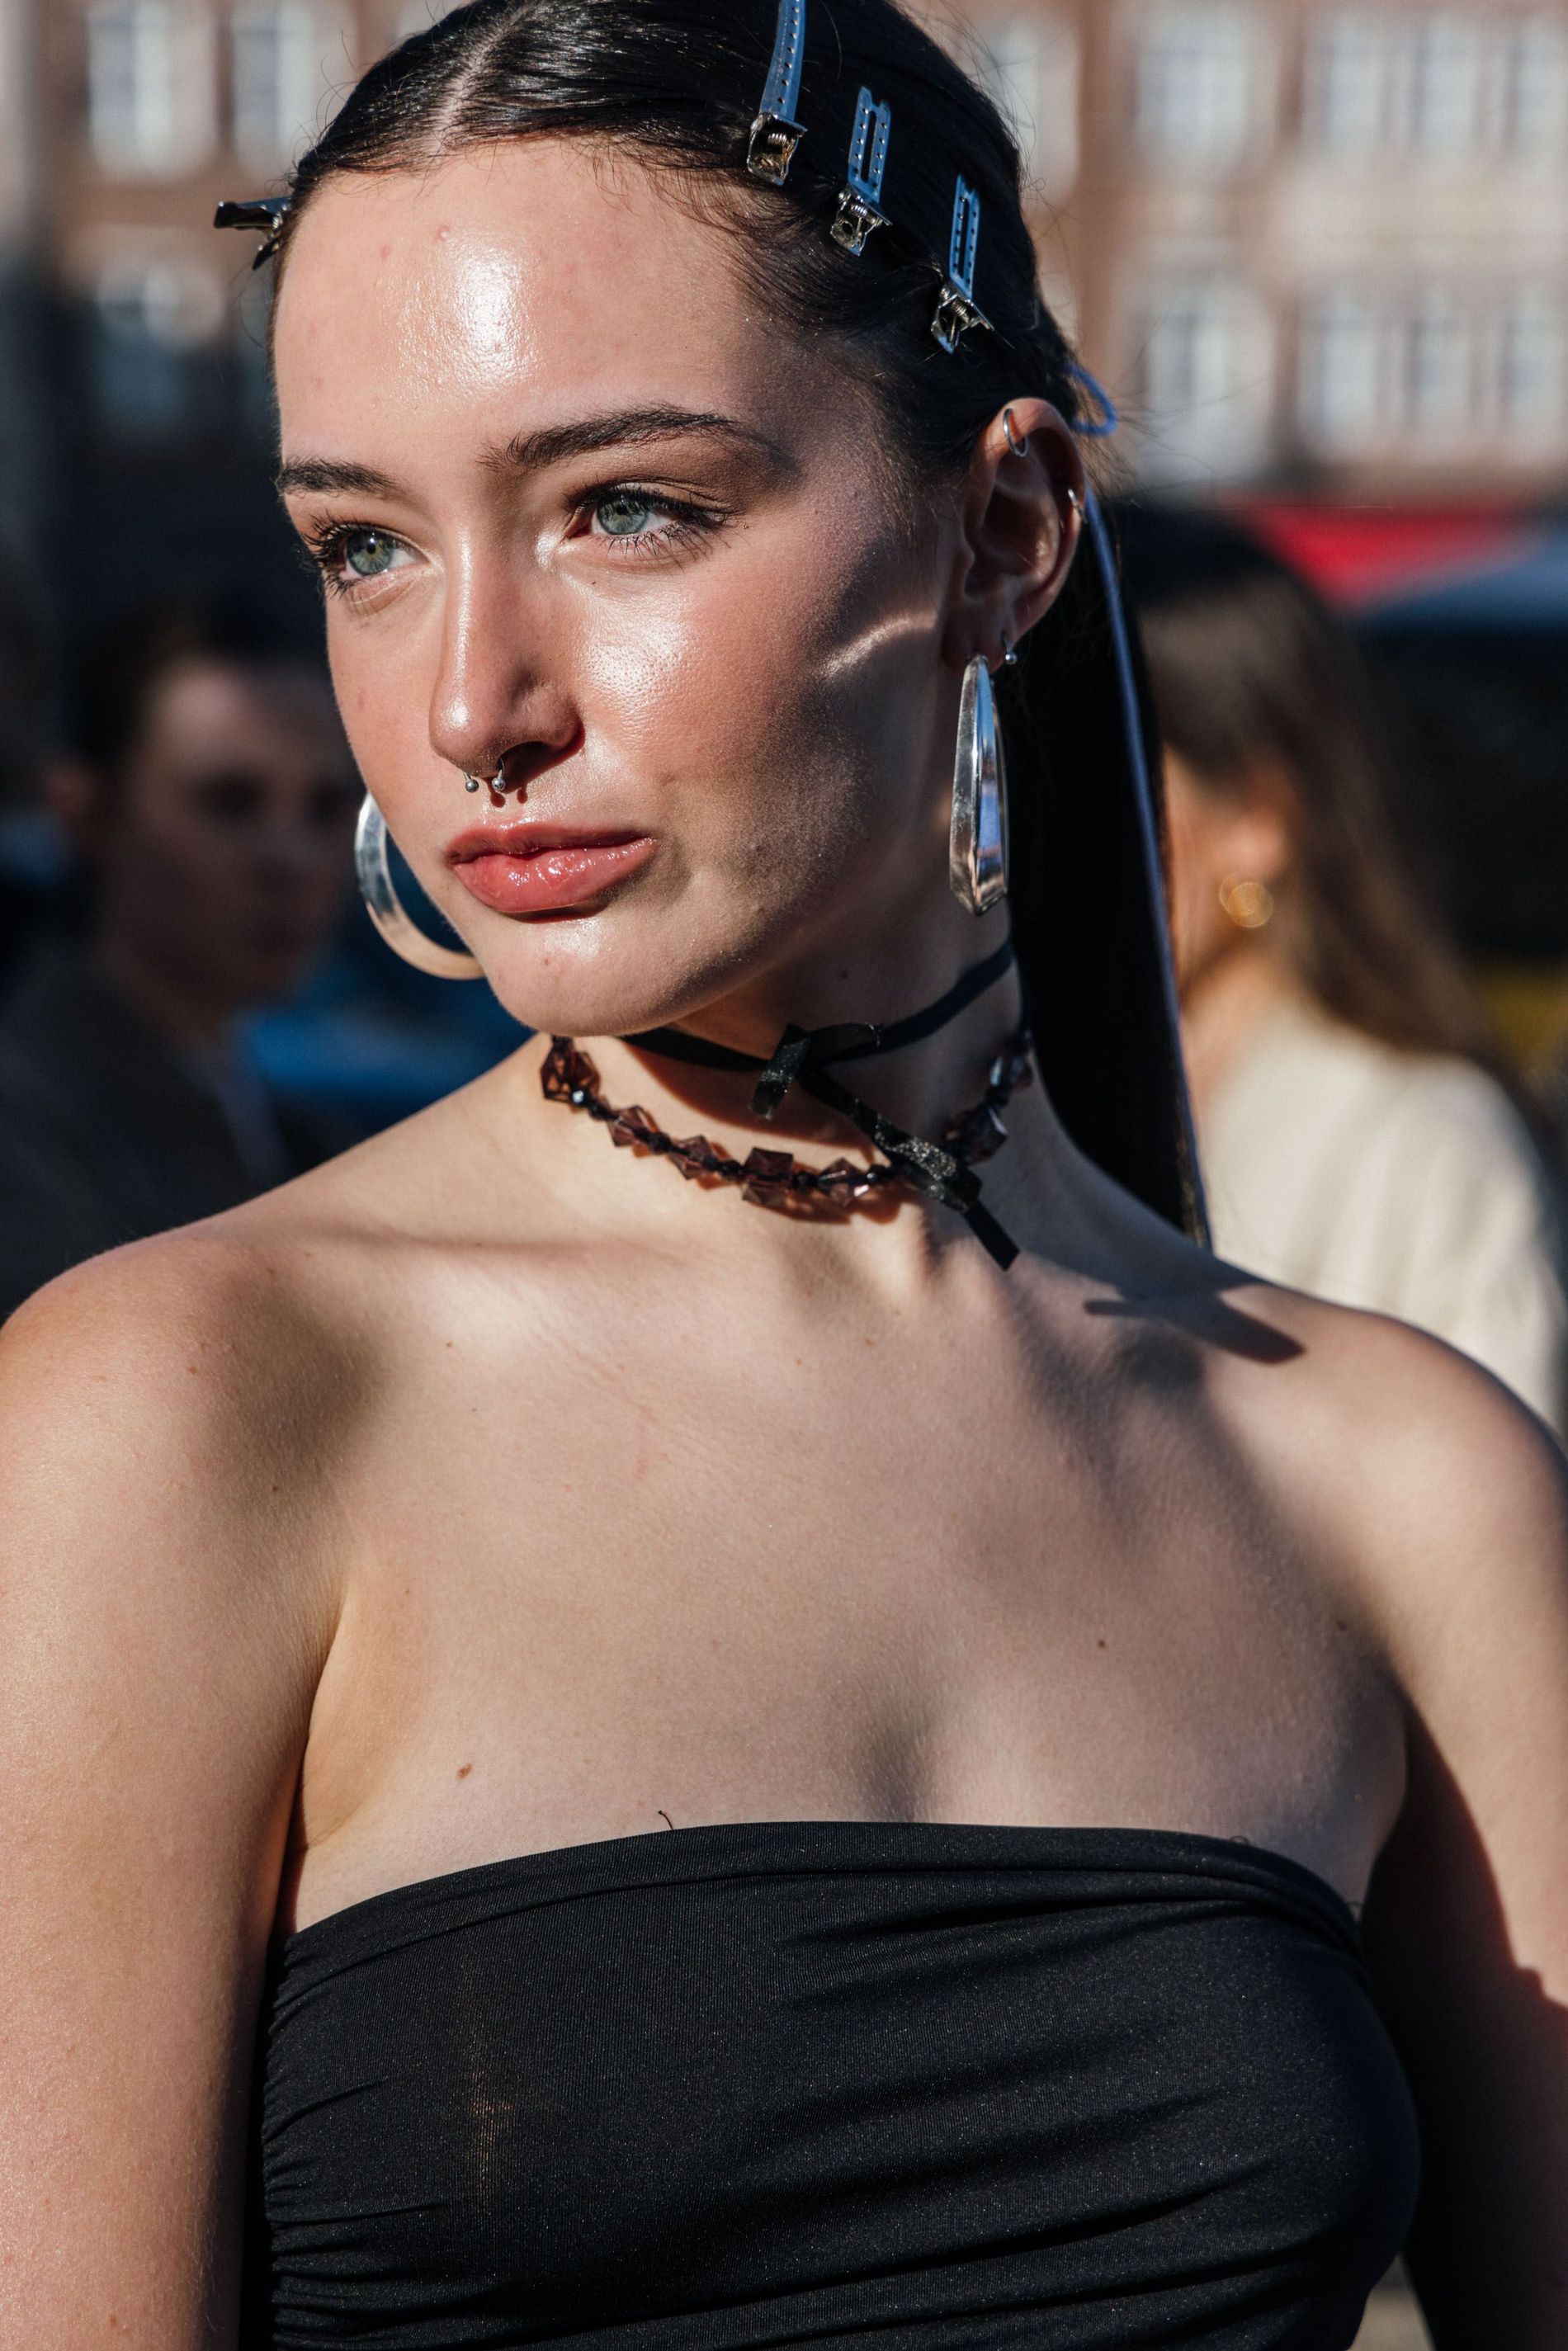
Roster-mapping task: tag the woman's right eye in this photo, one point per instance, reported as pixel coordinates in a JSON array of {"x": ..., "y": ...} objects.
[
  {"x": 369, "y": 553},
  {"x": 357, "y": 556}
]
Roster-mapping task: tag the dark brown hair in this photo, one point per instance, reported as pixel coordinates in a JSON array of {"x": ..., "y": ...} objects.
[
  {"x": 1249, "y": 666},
  {"x": 676, "y": 83}
]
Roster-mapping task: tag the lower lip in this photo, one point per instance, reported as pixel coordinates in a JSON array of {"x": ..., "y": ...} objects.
[{"x": 551, "y": 880}]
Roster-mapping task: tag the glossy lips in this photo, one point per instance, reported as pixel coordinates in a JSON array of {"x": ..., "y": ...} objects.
[{"x": 525, "y": 869}]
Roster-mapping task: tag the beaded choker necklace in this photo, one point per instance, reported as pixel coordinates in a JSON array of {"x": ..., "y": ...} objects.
[{"x": 944, "y": 1171}]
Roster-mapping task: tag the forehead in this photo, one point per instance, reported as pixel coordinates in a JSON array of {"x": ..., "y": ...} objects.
[
  {"x": 542, "y": 267},
  {"x": 202, "y": 705}
]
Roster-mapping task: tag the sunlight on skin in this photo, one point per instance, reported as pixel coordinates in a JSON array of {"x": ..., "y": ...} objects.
[{"x": 420, "y": 328}]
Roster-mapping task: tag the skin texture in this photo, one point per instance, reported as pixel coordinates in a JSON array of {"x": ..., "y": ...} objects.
[
  {"x": 221, "y": 850},
  {"x": 490, "y": 1489},
  {"x": 1229, "y": 976}
]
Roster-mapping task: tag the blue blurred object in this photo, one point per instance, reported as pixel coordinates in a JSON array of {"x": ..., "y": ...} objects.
[
  {"x": 1521, "y": 591},
  {"x": 374, "y": 1041}
]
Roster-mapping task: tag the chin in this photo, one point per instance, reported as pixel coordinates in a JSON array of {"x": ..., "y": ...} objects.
[{"x": 561, "y": 981}]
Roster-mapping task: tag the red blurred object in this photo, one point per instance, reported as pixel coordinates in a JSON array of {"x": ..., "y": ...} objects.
[{"x": 1357, "y": 554}]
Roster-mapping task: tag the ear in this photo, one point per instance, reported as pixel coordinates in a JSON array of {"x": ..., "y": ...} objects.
[
  {"x": 1262, "y": 832},
  {"x": 1022, "y": 513}
]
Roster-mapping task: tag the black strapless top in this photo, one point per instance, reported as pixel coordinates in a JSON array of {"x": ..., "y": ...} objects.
[{"x": 936, "y": 2088}]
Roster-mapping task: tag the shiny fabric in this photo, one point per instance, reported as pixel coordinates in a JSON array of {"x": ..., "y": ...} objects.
[{"x": 934, "y": 2088}]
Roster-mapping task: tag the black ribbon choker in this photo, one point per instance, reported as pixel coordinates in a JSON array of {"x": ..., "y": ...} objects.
[{"x": 942, "y": 1171}]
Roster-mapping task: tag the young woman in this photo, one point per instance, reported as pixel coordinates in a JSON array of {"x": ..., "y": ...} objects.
[
  {"x": 800, "y": 1782},
  {"x": 1353, "y": 1142}
]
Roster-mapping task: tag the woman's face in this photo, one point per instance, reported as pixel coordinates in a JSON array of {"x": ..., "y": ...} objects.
[{"x": 583, "y": 506}]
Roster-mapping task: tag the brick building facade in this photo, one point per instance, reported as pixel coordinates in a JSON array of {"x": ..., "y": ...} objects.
[{"x": 1314, "y": 243}]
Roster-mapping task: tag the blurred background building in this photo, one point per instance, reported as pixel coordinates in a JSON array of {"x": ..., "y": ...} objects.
[{"x": 1317, "y": 248}]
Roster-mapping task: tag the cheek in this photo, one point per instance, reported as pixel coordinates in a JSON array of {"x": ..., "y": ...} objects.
[{"x": 767, "y": 687}]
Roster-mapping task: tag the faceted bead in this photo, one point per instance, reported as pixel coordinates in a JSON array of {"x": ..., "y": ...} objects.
[
  {"x": 695, "y": 1156},
  {"x": 843, "y": 1180},
  {"x": 629, "y": 1126},
  {"x": 567, "y": 1072},
  {"x": 767, "y": 1175},
  {"x": 1011, "y": 1069},
  {"x": 983, "y": 1135}
]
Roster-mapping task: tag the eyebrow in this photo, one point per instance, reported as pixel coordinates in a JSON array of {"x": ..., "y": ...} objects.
[
  {"x": 553, "y": 444},
  {"x": 530, "y": 453},
  {"x": 323, "y": 474}
]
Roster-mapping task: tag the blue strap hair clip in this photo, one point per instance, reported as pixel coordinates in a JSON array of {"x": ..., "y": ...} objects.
[
  {"x": 1100, "y": 426},
  {"x": 859, "y": 216},
  {"x": 775, "y": 134},
  {"x": 957, "y": 309},
  {"x": 266, "y": 214}
]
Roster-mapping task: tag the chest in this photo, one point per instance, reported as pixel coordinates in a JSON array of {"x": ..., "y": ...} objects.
[{"x": 809, "y": 1566}]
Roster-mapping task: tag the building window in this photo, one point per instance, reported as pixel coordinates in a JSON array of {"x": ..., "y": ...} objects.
[
  {"x": 1349, "y": 85},
  {"x": 1199, "y": 83},
  {"x": 1344, "y": 394},
  {"x": 1447, "y": 75},
  {"x": 149, "y": 318},
  {"x": 149, "y": 86},
  {"x": 1033, "y": 67},
  {"x": 1535, "y": 88},
  {"x": 284, "y": 54},
  {"x": 1532, "y": 369},
  {"x": 1207, "y": 392},
  {"x": 1440, "y": 372}
]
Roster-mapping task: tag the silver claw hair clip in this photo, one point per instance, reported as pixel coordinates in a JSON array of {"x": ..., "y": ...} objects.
[
  {"x": 775, "y": 134},
  {"x": 957, "y": 309},
  {"x": 858, "y": 214},
  {"x": 266, "y": 214}
]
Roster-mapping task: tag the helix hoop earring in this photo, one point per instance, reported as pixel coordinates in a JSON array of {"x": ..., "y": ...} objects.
[
  {"x": 978, "y": 844},
  {"x": 389, "y": 913},
  {"x": 1019, "y": 448}
]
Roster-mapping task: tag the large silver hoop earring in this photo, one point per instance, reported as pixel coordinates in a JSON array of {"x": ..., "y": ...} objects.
[
  {"x": 977, "y": 846},
  {"x": 389, "y": 913}
]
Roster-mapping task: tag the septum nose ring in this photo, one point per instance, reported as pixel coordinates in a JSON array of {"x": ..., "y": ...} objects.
[{"x": 493, "y": 784}]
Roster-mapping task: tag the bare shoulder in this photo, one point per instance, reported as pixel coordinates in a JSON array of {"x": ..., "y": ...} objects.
[
  {"x": 187, "y": 1390},
  {"x": 1438, "y": 1497}
]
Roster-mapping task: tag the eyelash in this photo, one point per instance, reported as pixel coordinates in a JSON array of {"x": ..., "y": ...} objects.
[{"x": 325, "y": 546}]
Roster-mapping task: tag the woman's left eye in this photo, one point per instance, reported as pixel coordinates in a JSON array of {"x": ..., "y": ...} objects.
[
  {"x": 644, "y": 521},
  {"x": 624, "y": 514}
]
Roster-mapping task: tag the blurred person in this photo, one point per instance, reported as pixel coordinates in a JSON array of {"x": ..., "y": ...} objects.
[
  {"x": 1357, "y": 1142},
  {"x": 211, "y": 811},
  {"x": 27, "y": 871}
]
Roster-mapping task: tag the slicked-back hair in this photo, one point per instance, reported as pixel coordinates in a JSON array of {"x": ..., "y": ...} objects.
[{"x": 675, "y": 84}]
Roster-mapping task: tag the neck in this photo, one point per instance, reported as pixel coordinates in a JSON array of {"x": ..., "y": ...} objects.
[
  {"x": 1222, "y": 1007},
  {"x": 181, "y": 1014},
  {"x": 920, "y": 1079}
]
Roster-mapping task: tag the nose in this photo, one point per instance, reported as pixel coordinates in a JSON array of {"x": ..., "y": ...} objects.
[{"x": 500, "y": 706}]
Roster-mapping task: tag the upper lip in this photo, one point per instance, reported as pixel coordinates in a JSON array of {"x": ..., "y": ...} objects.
[{"x": 528, "y": 839}]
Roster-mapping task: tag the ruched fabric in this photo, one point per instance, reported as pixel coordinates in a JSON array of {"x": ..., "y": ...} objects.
[{"x": 934, "y": 2088}]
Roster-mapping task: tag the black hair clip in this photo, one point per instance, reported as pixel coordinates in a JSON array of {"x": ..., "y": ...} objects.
[
  {"x": 775, "y": 134},
  {"x": 957, "y": 309},
  {"x": 858, "y": 214},
  {"x": 266, "y": 214}
]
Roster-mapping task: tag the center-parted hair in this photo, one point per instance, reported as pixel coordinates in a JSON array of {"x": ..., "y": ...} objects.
[{"x": 677, "y": 84}]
